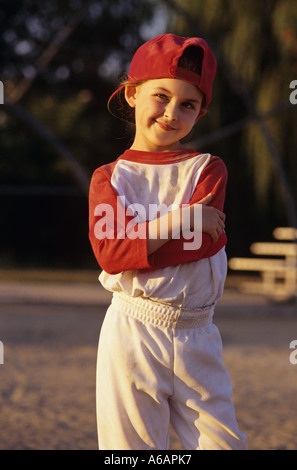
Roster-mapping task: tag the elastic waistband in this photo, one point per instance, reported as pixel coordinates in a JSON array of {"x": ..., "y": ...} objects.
[{"x": 162, "y": 315}]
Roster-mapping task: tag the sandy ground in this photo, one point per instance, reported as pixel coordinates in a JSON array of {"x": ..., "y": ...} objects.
[{"x": 47, "y": 382}]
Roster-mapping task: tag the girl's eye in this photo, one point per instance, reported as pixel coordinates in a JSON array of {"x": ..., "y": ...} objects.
[
  {"x": 187, "y": 105},
  {"x": 161, "y": 96}
]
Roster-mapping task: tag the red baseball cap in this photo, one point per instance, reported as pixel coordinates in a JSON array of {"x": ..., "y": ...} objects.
[{"x": 158, "y": 58}]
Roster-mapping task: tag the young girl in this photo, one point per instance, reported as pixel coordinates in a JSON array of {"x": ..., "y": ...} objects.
[{"x": 160, "y": 355}]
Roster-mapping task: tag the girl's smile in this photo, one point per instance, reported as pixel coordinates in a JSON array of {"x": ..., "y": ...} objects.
[{"x": 166, "y": 127}]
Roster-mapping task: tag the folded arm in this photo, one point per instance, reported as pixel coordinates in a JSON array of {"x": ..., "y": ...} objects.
[
  {"x": 120, "y": 244},
  {"x": 212, "y": 181}
]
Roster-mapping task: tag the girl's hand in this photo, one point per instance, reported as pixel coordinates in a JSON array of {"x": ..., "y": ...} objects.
[{"x": 213, "y": 220}]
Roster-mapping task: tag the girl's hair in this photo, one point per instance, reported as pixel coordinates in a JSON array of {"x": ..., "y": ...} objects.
[
  {"x": 191, "y": 60},
  {"x": 123, "y": 110}
]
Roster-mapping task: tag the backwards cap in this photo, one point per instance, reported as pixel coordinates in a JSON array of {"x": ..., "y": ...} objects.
[{"x": 158, "y": 58}]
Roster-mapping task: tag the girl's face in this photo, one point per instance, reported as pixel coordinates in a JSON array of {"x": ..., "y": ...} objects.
[{"x": 166, "y": 109}]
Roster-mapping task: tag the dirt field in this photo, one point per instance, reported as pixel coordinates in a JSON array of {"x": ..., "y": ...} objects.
[{"x": 47, "y": 382}]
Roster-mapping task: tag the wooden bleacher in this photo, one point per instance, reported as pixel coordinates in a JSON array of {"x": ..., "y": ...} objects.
[{"x": 277, "y": 266}]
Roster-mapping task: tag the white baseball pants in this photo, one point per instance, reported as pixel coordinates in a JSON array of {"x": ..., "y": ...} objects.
[{"x": 156, "y": 365}]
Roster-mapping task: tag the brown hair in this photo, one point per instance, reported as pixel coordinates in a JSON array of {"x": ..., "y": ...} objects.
[
  {"x": 192, "y": 59},
  {"x": 123, "y": 110}
]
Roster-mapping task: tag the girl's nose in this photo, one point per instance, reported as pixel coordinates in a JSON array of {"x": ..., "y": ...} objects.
[{"x": 171, "y": 111}]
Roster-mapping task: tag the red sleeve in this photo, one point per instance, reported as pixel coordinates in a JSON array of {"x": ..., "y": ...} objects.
[
  {"x": 213, "y": 180},
  {"x": 108, "y": 222}
]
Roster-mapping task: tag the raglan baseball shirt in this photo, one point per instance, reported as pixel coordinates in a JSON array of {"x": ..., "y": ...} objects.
[{"x": 122, "y": 197}]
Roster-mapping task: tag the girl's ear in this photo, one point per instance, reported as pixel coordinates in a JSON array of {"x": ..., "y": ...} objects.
[{"x": 130, "y": 95}]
